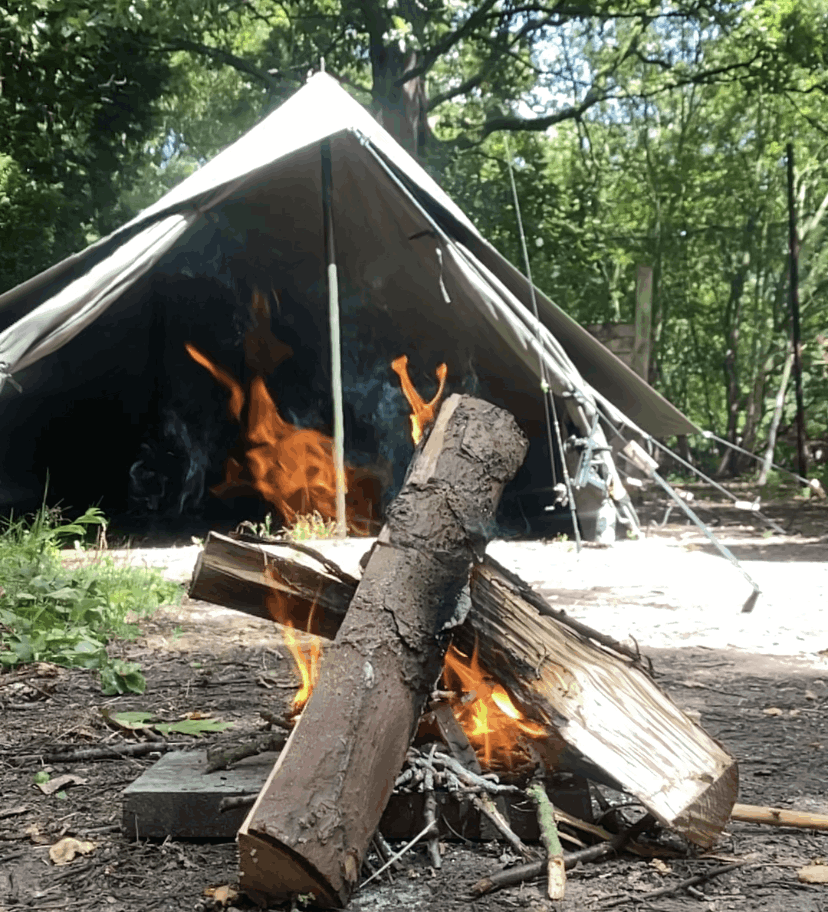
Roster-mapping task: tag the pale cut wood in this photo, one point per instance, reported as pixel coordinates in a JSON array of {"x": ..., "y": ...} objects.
[
  {"x": 600, "y": 709},
  {"x": 253, "y": 579},
  {"x": 309, "y": 829}
]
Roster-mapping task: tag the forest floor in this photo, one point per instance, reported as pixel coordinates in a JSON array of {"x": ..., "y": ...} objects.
[{"x": 759, "y": 682}]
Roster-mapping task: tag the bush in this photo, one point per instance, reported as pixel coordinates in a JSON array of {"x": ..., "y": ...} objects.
[{"x": 49, "y": 613}]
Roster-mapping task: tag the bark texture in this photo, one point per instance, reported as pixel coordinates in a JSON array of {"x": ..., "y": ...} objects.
[{"x": 311, "y": 825}]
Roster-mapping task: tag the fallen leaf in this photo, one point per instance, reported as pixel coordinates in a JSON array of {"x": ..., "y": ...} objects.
[
  {"x": 223, "y": 895},
  {"x": 660, "y": 866},
  {"x": 192, "y": 726},
  {"x": 813, "y": 874},
  {"x": 69, "y": 848},
  {"x": 132, "y": 721},
  {"x": 60, "y": 782},
  {"x": 773, "y": 711},
  {"x": 37, "y": 836}
]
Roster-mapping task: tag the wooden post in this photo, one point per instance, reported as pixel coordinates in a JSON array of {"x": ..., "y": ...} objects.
[
  {"x": 336, "y": 352},
  {"x": 640, "y": 360},
  {"x": 310, "y": 827},
  {"x": 793, "y": 292}
]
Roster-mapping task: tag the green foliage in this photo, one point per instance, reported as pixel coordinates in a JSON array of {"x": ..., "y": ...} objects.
[
  {"x": 311, "y": 525},
  {"x": 140, "y": 719},
  {"x": 640, "y": 135},
  {"x": 53, "y": 614}
]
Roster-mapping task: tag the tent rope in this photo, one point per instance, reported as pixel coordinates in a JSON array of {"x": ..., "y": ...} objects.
[
  {"x": 720, "y": 488},
  {"x": 709, "y": 435},
  {"x": 549, "y": 407},
  {"x": 750, "y": 602}
]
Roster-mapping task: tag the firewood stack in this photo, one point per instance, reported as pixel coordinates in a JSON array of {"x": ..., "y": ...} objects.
[{"x": 589, "y": 705}]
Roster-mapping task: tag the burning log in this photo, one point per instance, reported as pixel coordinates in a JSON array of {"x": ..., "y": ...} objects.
[{"x": 311, "y": 825}]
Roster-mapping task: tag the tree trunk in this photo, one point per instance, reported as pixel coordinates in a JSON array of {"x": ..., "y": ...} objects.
[
  {"x": 776, "y": 418},
  {"x": 310, "y": 827}
]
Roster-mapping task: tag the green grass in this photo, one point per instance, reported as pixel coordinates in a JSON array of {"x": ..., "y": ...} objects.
[{"x": 50, "y": 613}]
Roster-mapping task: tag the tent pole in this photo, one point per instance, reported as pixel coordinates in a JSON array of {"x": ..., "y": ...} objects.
[{"x": 336, "y": 350}]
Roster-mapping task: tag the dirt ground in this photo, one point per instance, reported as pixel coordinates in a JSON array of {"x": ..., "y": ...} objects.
[{"x": 759, "y": 682}]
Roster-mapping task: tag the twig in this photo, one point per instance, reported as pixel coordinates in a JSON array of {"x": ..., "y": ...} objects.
[
  {"x": 784, "y": 817},
  {"x": 682, "y": 885},
  {"x": 430, "y": 813},
  {"x": 468, "y": 777},
  {"x": 397, "y": 856},
  {"x": 510, "y": 876},
  {"x": 384, "y": 852},
  {"x": 555, "y": 870},
  {"x": 111, "y": 752},
  {"x": 431, "y": 820},
  {"x": 236, "y": 801},
  {"x": 486, "y": 806},
  {"x": 222, "y": 756}
]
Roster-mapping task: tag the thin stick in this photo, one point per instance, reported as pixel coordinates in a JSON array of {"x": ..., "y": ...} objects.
[
  {"x": 237, "y": 801},
  {"x": 398, "y": 855},
  {"x": 110, "y": 753},
  {"x": 749, "y": 813},
  {"x": 431, "y": 820},
  {"x": 486, "y": 806},
  {"x": 511, "y": 876},
  {"x": 555, "y": 870},
  {"x": 383, "y": 852},
  {"x": 682, "y": 885},
  {"x": 431, "y": 816}
]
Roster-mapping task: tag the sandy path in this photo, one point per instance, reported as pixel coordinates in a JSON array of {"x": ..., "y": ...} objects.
[{"x": 663, "y": 592}]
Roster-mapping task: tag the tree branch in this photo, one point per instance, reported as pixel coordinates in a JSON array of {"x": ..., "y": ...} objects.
[{"x": 238, "y": 63}]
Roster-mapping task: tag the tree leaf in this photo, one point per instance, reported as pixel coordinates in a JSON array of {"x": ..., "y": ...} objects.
[{"x": 195, "y": 727}]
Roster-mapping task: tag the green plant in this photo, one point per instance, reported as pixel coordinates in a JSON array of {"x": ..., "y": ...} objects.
[
  {"x": 67, "y": 616},
  {"x": 311, "y": 525}
]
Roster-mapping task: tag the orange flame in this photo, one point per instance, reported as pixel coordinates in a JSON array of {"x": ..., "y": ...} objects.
[
  {"x": 422, "y": 412},
  {"x": 486, "y": 712},
  {"x": 236, "y": 403},
  {"x": 288, "y": 467},
  {"x": 307, "y": 656}
]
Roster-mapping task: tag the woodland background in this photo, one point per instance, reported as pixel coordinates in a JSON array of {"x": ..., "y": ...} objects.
[{"x": 641, "y": 133}]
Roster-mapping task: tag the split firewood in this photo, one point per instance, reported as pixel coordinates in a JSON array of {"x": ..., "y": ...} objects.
[
  {"x": 783, "y": 817},
  {"x": 311, "y": 825},
  {"x": 603, "y": 716}
]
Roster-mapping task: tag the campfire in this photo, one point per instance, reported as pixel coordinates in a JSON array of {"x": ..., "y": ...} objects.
[{"x": 447, "y": 675}]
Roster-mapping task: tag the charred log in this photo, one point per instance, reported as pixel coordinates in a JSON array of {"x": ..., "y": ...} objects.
[{"x": 311, "y": 825}]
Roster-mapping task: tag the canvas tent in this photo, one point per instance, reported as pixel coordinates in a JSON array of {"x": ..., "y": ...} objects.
[{"x": 412, "y": 267}]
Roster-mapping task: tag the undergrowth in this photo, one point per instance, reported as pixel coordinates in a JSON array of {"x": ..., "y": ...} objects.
[{"x": 50, "y": 613}]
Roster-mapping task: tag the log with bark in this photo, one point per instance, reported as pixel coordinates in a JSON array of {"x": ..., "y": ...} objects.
[
  {"x": 311, "y": 825},
  {"x": 604, "y": 717}
]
